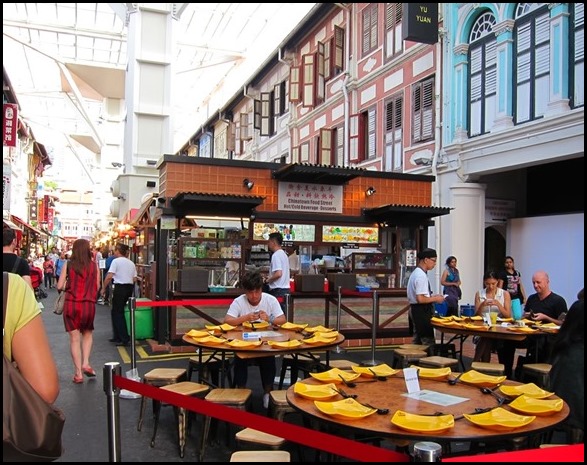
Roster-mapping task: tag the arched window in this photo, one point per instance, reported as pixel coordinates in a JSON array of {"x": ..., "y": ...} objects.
[
  {"x": 532, "y": 61},
  {"x": 482, "y": 75}
]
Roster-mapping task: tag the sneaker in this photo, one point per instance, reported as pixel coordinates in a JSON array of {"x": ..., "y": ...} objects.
[{"x": 266, "y": 400}]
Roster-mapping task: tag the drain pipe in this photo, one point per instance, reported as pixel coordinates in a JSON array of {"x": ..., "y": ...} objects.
[
  {"x": 438, "y": 146},
  {"x": 289, "y": 105},
  {"x": 347, "y": 122}
]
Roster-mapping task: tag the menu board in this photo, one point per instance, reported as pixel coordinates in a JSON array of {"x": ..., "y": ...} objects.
[
  {"x": 290, "y": 232},
  {"x": 359, "y": 234}
]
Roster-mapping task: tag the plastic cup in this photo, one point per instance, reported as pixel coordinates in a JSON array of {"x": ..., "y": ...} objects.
[{"x": 493, "y": 318}]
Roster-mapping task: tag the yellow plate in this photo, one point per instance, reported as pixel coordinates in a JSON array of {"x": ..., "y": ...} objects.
[
  {"x": 500, "y": 419},
  {"x": 315, "y": 391},
  {"x": 422, "y": 423},
  {"x": 481, "y": 379},
  {"x": 239, "y": 343},
  {"x": 293, "y": 326},
  {"x": 432, "y": 373},
  {"x": 530, "y": 390},
  {"x": 539, "y": 407},
  {"x": 550, "y": 325},
  {"x": 476, "y": 318},
  {"x": 259, "y": 325},
  {"x": 317, "y": 329},
  {"x": 222, "y": 327},
  {"x": 318, "y": 339},
  {"x": 332, "y": 376},
  {"x": 475, "y": 327},
  {"x": 197, "y": 333},
  {"x": 521, "y": 329},
  {"x": 441, "y": 321},
  {"x": 285, "y": 344},
  {"x": 380, "y": 370},
  {"x": 346, "y": 409},
  {"x": 328, "y": 335},
  {"x": 209, "y": 340}
]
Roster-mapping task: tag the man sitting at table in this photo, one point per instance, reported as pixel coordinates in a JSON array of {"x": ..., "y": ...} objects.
[{"x": 255, "y": 305}]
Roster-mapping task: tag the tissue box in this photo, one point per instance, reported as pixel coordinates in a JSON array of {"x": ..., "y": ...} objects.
[
  {"x": 344, "y": 280},
  {"x": 309, "y": 282}
]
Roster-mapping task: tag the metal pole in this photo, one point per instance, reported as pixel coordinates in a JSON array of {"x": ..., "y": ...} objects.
[
  {"x": 113, "y": 409},
  {"x": 427, "y": 451},
  {"x": 133, "y": 373},
  {"x": 287, "y": 306},
  {"x": 338, "y": 350},
  {"x": 374, "y": 321}
]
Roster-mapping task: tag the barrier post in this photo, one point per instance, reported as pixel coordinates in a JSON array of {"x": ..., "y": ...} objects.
[
  {"x": 427, "y": 451},
  {"x": 133, "y": 372},
  {"x": 338, "y": 350},
  {"x": 374, "y": 323},
  {"x": 113, "y": 409}
]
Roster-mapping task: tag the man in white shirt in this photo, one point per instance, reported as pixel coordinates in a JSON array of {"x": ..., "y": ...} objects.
[
  {"x": 123, "y": 274},
  {"x": 254, "y": 305},
  {"x": 278, "y": 279}
]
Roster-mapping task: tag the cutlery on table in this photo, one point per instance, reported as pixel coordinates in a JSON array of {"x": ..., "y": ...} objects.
[
  {"x": 345, "y": 394},
  {"x": 380, "y": 411},
  {"x": 476, "y": 412},
  {"x": 347, "y": 383},
  {"x": 454, "y": 381},
  {"x": 379, "y": 378},
  {"x": 500, "y": 400}
]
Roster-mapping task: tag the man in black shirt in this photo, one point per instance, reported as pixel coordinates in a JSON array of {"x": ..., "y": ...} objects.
[{"x": 11, "y": 262}]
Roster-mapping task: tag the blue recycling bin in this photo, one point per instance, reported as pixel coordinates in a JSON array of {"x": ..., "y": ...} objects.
[
  {"x": 441, "y": 309},
  {"x": 467, "y": 310}
]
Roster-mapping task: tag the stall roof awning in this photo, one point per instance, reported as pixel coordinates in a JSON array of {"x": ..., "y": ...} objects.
[
  {"x": 404, "y": 214},
  {"x": 28, "y": 226},
  {"x": 199, "y": 203},
  {"x": 10, "y": 224},
  {"x": 322, "y": 174},
  {"x": 143, "y": 217}
]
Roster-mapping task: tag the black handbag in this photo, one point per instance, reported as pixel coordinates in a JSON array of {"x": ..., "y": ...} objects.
[{"x": 31, "y": 427}]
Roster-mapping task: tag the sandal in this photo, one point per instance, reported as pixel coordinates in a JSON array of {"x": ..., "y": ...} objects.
[
  {"x": 89, "y": 372},
  {"x": 78, "y": 380}
]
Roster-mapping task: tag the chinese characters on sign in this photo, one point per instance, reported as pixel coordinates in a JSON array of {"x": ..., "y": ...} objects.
[
  {"x": 311, "y": 198},
  {"x": 10, "y": 124}
]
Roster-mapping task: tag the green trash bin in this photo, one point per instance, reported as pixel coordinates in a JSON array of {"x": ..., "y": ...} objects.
[{"x": 144, "y": 328}]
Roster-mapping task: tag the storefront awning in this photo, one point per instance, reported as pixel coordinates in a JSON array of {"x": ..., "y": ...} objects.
[
  {"x": 319, "y": 174},
  {"x": 9, "y": 224},
  {"x": 393, "y": 214},
  {"x": 145, "y": 216},
  {"x": 199, "y": 203},
  {"x": 20, "y": 222}
]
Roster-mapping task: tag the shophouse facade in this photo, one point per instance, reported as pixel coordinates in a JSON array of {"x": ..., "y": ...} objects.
[{"x": 491, "y": 109}]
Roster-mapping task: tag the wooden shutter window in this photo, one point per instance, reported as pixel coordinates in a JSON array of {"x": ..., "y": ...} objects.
[
  {"x": 295, "y": 155},
  {"x": 423, "y": 114},
  {"x": 294, "y": 84},
  {"x": 266, "y": 114},
  {"x": 257, "y": 114},
  {"x": 320, "y": 81},
  {"x": 245, "y": 127},
  {"x": 308, "y": 80},
  {"x": 325, "y": 154},
  {"x": 231, "y": 137},
  {"x": 356, "y": 138},
  {"x": 338, "y": 64}
]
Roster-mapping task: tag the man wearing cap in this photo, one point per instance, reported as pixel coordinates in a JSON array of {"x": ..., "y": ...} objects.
[{"x": 421, "y": 298}]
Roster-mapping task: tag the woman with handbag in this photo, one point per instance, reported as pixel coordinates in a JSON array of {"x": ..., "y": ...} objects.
[
  {"x": 451, "y": 282},
  {"x": 80, "y": 280}
]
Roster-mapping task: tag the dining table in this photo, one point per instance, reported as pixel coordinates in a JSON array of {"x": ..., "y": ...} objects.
[
  {"x": 261, "y": 341},
  {"x": 505, "y": 329},
  {"x": 391, "y": 395}
]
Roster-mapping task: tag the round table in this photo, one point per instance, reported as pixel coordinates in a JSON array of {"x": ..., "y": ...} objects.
[
  {"x": 263, "y": 350},
  {"x": 388, "y": 394}
]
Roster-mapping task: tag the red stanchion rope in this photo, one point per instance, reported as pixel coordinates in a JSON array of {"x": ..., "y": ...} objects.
[{"x": 315, "y": 439}]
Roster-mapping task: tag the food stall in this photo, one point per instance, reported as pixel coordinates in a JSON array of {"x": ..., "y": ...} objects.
[{"x": 341, "y": 221}]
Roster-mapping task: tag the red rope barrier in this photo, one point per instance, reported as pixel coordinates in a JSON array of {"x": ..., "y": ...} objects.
[
  {"x": 179, "y": 303},
  {"x": 315, "y": 439}
]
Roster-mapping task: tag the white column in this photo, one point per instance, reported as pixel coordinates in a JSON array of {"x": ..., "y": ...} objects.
[{"x": 467, "y": 241}]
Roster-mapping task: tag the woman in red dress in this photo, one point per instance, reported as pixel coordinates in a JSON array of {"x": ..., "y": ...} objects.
[{"x": 80, "y": 279}]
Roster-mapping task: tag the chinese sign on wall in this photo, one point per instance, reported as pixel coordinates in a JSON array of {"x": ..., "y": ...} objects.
[{"x": 310, "y": 198}]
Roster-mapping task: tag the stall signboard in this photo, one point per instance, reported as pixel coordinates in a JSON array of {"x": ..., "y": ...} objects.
[
  {"x": 351, "y": 234},
  {"x": 10, "y": 124},
  {"x": 168, "y": 222},
  {"x": 290, "y": 232},
  {"x": 309, "y": 198}
]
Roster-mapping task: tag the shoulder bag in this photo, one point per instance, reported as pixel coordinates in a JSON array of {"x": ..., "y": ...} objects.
[
  {"x": 60, "y": 301},
  {"x": 31, "y": 427}
]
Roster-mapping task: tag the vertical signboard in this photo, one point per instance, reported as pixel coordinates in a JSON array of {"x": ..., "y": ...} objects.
[
  {"x": 6, "y": 179},
  {"x": 420, "y": 22},
  {"x": 10, "y": 124}
]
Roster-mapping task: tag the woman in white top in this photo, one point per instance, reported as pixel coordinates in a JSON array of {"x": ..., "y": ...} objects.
[{"x": 490, "y": 296}]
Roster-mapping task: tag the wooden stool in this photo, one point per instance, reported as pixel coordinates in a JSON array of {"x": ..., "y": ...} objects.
[
  {"x": 210, "y": 369},
  {"x": 186, "y": 388},
  {"x": 278, "y": 405},
  {"x": 249, "y": 436},
  {"x": 236, "y": 397},
  {"x": 423, "y": 347},
  {"x": 444, "y": 350},
  {"x": 437, "y": 362},
  {"x": 295, "y": 364},
  {"x": 494, "y": 369},
  {"x": 159, "y": 377},
  {"x": 405, "y": 357},
  {"x": 536, "y": 371},
  {"x": 343, "y": 364},
  {"x": 260, "y": 456}
]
